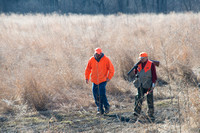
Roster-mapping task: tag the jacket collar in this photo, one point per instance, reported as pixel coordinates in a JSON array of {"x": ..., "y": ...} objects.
[
  {"x": 98, "y": 60},
  {"x": 143, "y": 64}
]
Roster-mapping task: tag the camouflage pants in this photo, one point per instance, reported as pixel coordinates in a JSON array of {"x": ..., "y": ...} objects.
[{"x": 139, "y": 100}]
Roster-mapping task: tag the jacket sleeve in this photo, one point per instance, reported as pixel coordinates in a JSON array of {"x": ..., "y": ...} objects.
[
  {"x": 153, "y": 71},
  {"x": 110, "y": 69},
  {"x": 88, "y": 70}
]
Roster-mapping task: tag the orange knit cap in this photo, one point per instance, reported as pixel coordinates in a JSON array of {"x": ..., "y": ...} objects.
[
  {"x": 142, "y": 55},
  {"x": 98, "y": 50}
]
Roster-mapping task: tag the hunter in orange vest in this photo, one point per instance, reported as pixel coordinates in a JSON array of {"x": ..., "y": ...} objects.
[{"x": 146, "y": 73}]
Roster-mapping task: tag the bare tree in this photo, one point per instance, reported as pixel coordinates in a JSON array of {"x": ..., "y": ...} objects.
[
  {"x": 120, "y": 6},
  {"x": 187, "y": 4},
  {"x": 144, "y": 6},
  {"x": 161, "y": 6},
  {"x": 99, "y": 6}
]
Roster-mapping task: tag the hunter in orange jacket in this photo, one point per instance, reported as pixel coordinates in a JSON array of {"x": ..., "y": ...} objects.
[{"x": 101, "y": 70}]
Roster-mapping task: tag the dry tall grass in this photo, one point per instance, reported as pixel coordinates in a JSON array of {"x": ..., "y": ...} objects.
[{"x": 43, "y": 57}]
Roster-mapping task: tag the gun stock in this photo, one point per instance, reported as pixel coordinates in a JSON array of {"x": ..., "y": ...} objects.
[{"x": 157, "y": 63}]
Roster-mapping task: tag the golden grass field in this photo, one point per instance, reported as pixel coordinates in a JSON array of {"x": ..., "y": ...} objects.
[{"x": 43, "y": 59}]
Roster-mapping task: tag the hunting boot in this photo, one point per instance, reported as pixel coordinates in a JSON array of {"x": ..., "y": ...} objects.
[
  {"x": 107, "y": 109},
  {"x": 151, "y": 118},
  {"x": 150, "y": 107},
  {"x": 134, "y": 118},
  {"x": 100, "y": 111}
]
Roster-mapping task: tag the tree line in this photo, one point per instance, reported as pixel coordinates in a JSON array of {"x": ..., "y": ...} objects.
[{"x": 98, "y": 6}]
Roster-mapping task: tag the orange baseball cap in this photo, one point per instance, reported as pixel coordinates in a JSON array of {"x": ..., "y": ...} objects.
[
  {"x": 142, "y": 55},
  {"x": 98, "y": 50}
]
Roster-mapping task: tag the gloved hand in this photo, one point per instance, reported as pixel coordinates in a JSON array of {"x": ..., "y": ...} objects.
[
  {"x": 153, "y": 85},
  {"x": 87, "y": 81},
  {"x": 151, "y": 89}
]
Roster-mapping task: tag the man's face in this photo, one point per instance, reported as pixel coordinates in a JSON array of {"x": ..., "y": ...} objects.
[
  {"x": 144, "y": 59},
  {"x": 98, "y": 55}
]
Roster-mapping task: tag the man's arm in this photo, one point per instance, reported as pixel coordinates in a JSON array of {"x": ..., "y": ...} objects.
[
  {"x": 111, "y": 70},
  {"x": 154, "y": 75},
  {"x": 154, "y": 78},
  {"x": 88, "y": 71}
]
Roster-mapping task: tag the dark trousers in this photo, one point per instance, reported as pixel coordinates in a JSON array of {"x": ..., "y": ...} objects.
[
  {"x": 99, "y": 93},
  {"x": 139, "y": 100}
]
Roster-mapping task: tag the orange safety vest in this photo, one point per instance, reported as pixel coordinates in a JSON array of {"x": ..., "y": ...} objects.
[
  {"x": 147, "y": 66},
  {"x": 145, "y": 75}
]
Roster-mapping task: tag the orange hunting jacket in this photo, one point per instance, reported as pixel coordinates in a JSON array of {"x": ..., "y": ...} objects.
[{"x": 99, "y": 71}]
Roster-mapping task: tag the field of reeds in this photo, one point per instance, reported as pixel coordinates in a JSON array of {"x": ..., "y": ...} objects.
[{"x": 43, "y": 60}]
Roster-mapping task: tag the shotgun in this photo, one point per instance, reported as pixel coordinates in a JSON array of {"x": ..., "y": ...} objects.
[{"x": 157, "y": 63}]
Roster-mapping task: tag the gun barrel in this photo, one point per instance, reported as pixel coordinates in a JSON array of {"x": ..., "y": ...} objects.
[
  {"x": 134, "y": 67},
  {"x": 157, "y": 63}
]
